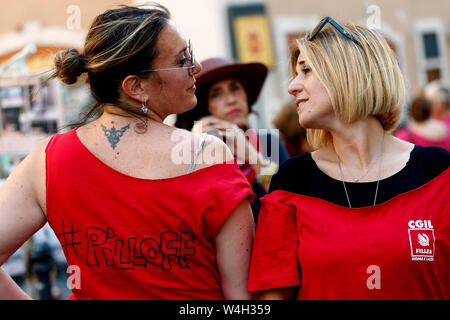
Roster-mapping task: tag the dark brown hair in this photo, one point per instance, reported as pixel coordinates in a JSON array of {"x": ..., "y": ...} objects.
[
  {"x": 119, "y": 43},
  {"x": 287, "y": 122},
  {"x": 420, "y": 109}
]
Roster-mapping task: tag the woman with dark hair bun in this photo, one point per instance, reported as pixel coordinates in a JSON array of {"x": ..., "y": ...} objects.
[{"x": 128, "y": 196}]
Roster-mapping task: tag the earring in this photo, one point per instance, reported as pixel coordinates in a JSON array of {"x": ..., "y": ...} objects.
[{"x": 144, "y": 108}]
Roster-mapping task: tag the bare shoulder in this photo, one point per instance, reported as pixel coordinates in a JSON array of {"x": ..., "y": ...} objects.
[
  {"x": 39, "y": 150},
  {"x": 214, "y": 151},
  {"x": 208, "y": 150},
  {"x": 40, "y": 163},
  {"x": 35, "y": 168},
  {"x": 34, "y": 162},
  {"x": 399, "y": 148},
  {"x": 36, "y": 159}
]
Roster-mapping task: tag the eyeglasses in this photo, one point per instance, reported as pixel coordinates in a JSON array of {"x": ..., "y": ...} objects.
[
  {"x": 323, "y": 22},
  {"x": 191, "y": 61}
]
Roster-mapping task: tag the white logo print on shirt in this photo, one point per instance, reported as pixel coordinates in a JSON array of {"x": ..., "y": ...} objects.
[
  {"x": 424, "y": 241},
  {"x": 421, "y": 240}
]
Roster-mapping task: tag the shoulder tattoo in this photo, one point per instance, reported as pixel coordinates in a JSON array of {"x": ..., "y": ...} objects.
[{"x": 113, "y": 135}]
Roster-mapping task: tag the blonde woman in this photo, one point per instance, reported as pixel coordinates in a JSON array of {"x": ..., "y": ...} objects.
[
  {"x": 133, "y": 221},
  {"x": 366, "y": 215}
]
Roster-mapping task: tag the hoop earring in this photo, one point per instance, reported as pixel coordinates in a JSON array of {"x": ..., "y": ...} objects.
[{"x": 144, "y": 108}]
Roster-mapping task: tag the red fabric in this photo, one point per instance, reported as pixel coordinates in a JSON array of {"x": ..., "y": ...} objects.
[
  {"x": 138, "y": 238},
  {"x": 399, "y": 249},
  {"x": 410, "y": 136}
]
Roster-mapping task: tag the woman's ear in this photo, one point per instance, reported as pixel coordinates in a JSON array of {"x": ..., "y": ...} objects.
[{"x": 132, "y": 87}]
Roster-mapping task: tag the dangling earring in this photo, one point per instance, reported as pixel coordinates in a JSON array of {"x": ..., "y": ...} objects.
[
  {"x": 144, "y": 108},
  {"x": 141, "y": 127}
]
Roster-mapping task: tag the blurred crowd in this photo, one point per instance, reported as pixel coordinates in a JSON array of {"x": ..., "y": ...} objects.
[
  {"x": 428, "y": 117},
  {"x": 39, "y": 267}
]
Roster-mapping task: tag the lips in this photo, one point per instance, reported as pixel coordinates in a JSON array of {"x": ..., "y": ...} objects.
[
  {"x": 234, "y": 112},
  {"x": 299, "y": 102},
  {"x": 193, "y": 88}
]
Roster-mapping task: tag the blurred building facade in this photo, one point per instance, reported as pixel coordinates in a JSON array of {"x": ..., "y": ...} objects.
[
  {"x": 31, "y": 32},
  {"x": 417, "y": 30}
]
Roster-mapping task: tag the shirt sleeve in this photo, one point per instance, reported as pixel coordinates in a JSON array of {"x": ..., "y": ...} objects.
[
  {"x": 228, "y": 190},
  {"x": 274, "y": 257}
]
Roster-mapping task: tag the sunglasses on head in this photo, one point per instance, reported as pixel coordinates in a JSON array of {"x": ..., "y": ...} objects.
[{"x": 322, "y": 24}]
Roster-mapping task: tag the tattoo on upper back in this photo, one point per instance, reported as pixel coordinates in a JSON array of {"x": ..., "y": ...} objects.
[{"x": 114, "y": 135}]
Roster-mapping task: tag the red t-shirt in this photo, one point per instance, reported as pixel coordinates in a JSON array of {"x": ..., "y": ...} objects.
[
  {"x": 137, "y": 238},
  {"x": 399, "y": 249}
]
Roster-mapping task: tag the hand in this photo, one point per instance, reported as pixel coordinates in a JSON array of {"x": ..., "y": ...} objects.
[
  {"x": 235, "y": 139},
  {"x": 243, "y": 150},
  {"x": 9, "y": 290},
  {"x": 210, "y": 123}
]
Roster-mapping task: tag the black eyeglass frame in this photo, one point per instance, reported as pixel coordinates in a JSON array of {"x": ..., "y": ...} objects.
[
  {"x": 191, "y": 59},
  {"x": 336, "y": 25}
]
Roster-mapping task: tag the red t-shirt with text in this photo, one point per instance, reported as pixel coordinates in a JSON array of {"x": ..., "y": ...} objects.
[{"x": 131, "y": 238}]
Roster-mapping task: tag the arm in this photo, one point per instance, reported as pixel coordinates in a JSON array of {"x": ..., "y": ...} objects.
[
  {"x": 22, "y": 205},
  {"x": 234, "y": 240},
  {"x": 9, "y": 289},
  {"x": 233, "y": 251}
]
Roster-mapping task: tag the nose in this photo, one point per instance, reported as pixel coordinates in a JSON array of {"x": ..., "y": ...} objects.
[
  {"x": 296, "y": 86},
  {"x": 230, "y": 98},
  {"x": 197, "y": 67}
]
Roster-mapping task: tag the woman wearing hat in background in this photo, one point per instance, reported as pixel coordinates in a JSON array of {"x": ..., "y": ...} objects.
[
  {"x": 135, "y": 222},
  {"x": 225, "y": 93}
]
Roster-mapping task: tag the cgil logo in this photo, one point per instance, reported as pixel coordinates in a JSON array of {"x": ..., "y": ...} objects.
[
  {"x": 426, "y": 224},
  {"x": 421, "y": 240}
]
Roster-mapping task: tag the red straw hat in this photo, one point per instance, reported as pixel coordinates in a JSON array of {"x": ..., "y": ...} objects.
[{"x": 252, "y": 75}]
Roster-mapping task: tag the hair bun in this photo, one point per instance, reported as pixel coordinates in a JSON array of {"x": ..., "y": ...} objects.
[{"x": 70, "y": 64}]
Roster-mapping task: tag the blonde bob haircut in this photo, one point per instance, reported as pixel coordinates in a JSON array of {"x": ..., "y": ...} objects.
[{"x": 361, "y": 81}]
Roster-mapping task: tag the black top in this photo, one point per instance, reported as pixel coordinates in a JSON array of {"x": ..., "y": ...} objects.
[{"x": 302, "y": 176}]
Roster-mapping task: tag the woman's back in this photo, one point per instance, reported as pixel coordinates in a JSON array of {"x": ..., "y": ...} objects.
[{"x": 134, "y": 235}]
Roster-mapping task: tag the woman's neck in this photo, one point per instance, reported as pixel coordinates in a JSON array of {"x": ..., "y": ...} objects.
[
  {"x": 359, "y": 143},
  {"x": 113, "y": 110},
  {"x": 114, "y": 116}
]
